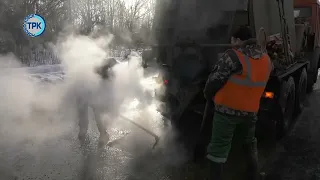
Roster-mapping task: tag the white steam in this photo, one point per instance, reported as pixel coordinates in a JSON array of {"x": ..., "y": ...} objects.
[
  {"x": 26, "y": 108},
  {"x": 36, "y": 112},
  {"x": 31, "y": 110}
]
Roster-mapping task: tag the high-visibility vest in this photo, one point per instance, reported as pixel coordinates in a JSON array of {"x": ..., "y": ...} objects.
[{"x": 243, "y": 92}]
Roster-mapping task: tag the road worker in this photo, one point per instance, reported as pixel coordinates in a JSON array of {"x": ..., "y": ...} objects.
[
  {"x": 236, "y": 85},
  {"x": 96, "y": 102},
  {"x": 107, "y": 99}
]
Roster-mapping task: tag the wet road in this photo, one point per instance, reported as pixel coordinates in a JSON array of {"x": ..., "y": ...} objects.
[
  {"x": 297, "y": 156},
  {"x": 47, "y": 147},
  {"x": 61, "y": 157}
]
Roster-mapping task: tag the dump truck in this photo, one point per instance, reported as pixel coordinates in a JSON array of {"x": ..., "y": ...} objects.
[{"x": 191, "y": 35}]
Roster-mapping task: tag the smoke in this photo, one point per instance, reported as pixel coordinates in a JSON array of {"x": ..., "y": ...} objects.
[
  {"x": 192, "y": 19},
  {"x": 37, "y": 112},
  {"x": 81, "y": 55},
  {"x": 26, "y": 107}
]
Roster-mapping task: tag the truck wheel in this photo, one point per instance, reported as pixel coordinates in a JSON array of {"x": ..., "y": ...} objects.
[
  {"x": 289, "y": 106},
  {"x": 301, "y": 91}
]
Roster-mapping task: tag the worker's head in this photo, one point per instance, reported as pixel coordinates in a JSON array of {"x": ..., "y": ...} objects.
[{"x": 241, "y": 34}]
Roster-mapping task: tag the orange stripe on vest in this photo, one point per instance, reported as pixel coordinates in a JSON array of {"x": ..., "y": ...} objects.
[{"x": 243, "y": 92}]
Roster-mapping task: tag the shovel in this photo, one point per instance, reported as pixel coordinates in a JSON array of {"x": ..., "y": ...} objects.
[{"x": 156, "y": 137}]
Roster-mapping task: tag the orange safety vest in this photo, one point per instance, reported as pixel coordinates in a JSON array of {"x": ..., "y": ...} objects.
[{"x": 243, "y": 92}]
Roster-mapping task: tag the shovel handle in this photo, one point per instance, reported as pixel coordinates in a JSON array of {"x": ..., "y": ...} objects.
[{"x": 156, "y": 137}]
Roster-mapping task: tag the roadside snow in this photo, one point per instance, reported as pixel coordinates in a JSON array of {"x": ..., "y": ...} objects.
[{"x": 46, "y": 73}]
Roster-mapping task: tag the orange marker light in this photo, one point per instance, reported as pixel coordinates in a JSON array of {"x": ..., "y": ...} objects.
[{"x": 269, "y": 95}]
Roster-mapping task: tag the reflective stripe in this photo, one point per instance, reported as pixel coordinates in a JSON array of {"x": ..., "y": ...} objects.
[
  {"x": 216, "y": 159},
  {"x": 248, "y": 81}
]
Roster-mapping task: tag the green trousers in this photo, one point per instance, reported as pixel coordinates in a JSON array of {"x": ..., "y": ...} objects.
[{"x": 224, "y": 127}]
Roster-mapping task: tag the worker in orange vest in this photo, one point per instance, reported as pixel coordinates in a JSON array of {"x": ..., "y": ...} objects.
[{"x": 236, "y": 85}]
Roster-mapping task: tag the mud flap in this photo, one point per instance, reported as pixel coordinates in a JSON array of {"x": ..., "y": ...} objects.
[
  {"x": 301, "y": 89},
  {"x": 314, "y": 59}
]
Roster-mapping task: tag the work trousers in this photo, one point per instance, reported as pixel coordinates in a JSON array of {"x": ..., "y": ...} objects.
[
  {"x": 82, "y": 112},
  {"x": 224, "y": 127}
]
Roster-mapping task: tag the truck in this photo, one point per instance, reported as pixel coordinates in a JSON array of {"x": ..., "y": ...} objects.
[{"x": 191, "y": 35}]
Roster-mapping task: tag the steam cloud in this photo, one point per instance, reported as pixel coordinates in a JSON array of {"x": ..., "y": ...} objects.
[
  {"x": 37, "y": 112},
  {"x": 80, "y": 55}
]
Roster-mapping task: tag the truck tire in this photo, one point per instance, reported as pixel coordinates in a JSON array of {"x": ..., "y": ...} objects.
[
  {"x": 301, "y": 91},
  {"x": 288, "y": 89}
]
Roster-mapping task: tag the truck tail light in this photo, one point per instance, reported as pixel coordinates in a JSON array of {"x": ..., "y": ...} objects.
[
  {"x": 165, "y": 81},
  {"x": 269, "y": 95}
]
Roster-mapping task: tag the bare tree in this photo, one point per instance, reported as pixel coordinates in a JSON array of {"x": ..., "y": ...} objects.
[{"x": 129, "y": 22}]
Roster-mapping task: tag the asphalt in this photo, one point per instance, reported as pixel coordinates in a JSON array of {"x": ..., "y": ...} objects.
[
  {"x": 47, "y": 147},
  {"x": 60, "y": 156},
  {"x": 297, "y": 155}
]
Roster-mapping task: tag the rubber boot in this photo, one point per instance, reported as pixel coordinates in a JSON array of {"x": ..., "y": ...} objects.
[
  {"x": 104, "y": 136},
  {"x": 82, "y": 136},
  {"x": 82, "y": 113},
  {"x": 103, "y": 139},
  {"x": 214, "y": 170},
  {"x": 252, "y": 161}
]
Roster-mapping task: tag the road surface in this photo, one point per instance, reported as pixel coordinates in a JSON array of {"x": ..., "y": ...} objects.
[
  {"x": 59, "y": 156},
  {"x": 297, "y": 156},
  {"x": 51, "y": 150}
]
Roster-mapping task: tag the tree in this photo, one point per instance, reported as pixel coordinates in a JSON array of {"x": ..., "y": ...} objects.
[{"x": 130, "y": 23}]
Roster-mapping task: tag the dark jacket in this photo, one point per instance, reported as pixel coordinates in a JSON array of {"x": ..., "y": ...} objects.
[
  {"x": 104, "y": 70},
  {"x": 228, "y": 65}
]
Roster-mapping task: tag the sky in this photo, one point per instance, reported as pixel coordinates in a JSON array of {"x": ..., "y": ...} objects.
[{"x": 129, "y": 2}]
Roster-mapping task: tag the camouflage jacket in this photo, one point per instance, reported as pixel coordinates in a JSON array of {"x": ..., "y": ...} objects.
[{"x": 228, "y": 65}]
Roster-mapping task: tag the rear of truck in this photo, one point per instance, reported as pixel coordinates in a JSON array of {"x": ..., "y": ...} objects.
[{"x": 192, "y": 34}]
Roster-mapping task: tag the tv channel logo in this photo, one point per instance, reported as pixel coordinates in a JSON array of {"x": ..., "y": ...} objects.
[{"x": 34, "y": 25}]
